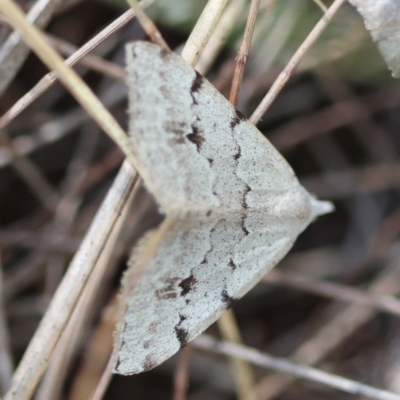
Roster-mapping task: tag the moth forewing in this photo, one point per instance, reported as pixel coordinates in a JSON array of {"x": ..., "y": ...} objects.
[
  {"x": 233, "y": 208},
  {"x": 382, "y": 19}
]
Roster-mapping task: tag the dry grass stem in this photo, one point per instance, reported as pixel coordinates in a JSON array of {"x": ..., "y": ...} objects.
[
  {"x": 42, "y": 345},
  {"x": 202, "y": 31},
  {"x": 335, "y": 291},
  {"x": 103, "y": 382},
  {"x": 181, "y": 381},
  {"x": 67, "y": 76},
  {"x": 52, "y": 77},
  {"x": 220, "y": 34},
  {"x": 91, "y": 61},
  {"x": 148, "y": 25},
  {"x": 14, "y": 51},
  {"x": 342, "y": 184},
  {"x": 264, "y": 360},
  {"x": 321, "y": 5},
  {"x": 242, "y": 372},
  {"x": 332, "y": 117},
  {"x": 72, "y": 334},
  {"x": 333, "y": 333},
  {"x": 6, "y": 361},
  {"x": 59, "y": 127},
  {"x": 243, "y": 53},
  {"x": 32, "y": 175},
  {"x": 287, "y": 72}
]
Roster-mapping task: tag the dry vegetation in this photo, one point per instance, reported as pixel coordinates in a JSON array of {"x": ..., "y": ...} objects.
[{"x": 70, "y": 214}]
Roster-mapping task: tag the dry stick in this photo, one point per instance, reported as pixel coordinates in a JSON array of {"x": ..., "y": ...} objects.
[
  {"x": 287, "y": 72},
  {"x": 27, "y": 239},
  {"x": 14, "y": 51},
  {"x": 333, "y": 117},
  {"x": 242, "y": 371},
  {"x": 57, "y": 128},
  {"x": 243, "y": 53},
  {"x": 6, "y": 362},
  {"x": 272, "y": 35},
  {"x": 62, "y": 221},
  {"x": 202, "y": 31},
  {"x": 332, "y": 334},
  {"x": 58, "y": 368},
  {"x": 218, "y": 38},
  {"x": 343, "y": 184},
  {"x": 264, "y": 360},
  {"x": 321, "y": 5},
  {"x": 334, "y": 291},
  {"x": 35, "y": 39},
  {"x": 32, "y": 176},
  {"x": 104, "y": 382},
  {"x": 23, "y": 273},
  {"x": 101, "y": 341},
  {"x": 147, "y": 24},
  {"x": 76, "y": 174},
  {"x": 386, "y": 234},
  {"x": 372, "y": 137},
  {"x": 181, "y": 381},
  {"x": 91, "y": 61},
  {"x": 39, "y": 351},
  {"x": 52, "y": 77},
  {"x": 336, "y": 49}
]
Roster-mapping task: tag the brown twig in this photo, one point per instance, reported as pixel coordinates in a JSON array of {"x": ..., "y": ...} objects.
[
  {"x": 14, "y": 51},
  {"x": 181, "y": 381},
  {"x": 32, "y": 176},
  {"x": 335, "y": 291},
  {"x": 59, "y": 127},
  {"x": 52, "y": 77},
  {"x": 294, "y": 61},
  {"x": 91, "y": 61},
  {"x": 47, "y": 335},
  {"x": 148, "y": 25},
  {"x": 243, "y": 53},
  {"x": 264, "y": 360},
  {"x": 243, "y": 373},
  {"x": 202, "y": 31},
  {"x": 6, "y": 361},
  {"x": 71, "y": 80},
  {"x": 342, "y": 184},
  {"x": 333, "y": 117},
  {"x": 220, "y": 35},
  {"x": 333, "y": 333}
]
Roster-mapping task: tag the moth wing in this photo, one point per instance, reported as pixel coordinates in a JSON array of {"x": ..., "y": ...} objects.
[
  {"x": 198, "y": 270},
  {"x": 382, "y": 19},
  {"x": 193, "y": 149}
]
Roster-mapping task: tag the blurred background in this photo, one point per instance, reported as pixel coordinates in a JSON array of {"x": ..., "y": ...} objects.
[{"x": 337, "y": 124}]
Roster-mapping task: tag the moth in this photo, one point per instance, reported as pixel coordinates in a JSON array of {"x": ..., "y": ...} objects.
[
  {"x": 233, "y": 208},
  {"x": 382, "y": 19}
]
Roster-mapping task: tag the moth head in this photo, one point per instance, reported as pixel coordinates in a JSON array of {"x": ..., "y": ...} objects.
[{"x": 300, "y": 208}]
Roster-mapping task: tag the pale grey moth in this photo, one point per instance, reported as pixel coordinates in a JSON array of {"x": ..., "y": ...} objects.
[
  {"x": 382, "y": 18},
  {"x": 233, "y": 208}
]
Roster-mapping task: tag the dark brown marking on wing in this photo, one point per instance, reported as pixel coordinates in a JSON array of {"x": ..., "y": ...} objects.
[
  {"x": 181, "y": 334},
  {"x": 149, "y": 363},
  {"x": 228, "y": 300},
  {"x": 187, "y": 285},
  {"x": 169, "y": 291},
  {"x": 195, "y": 137}
]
